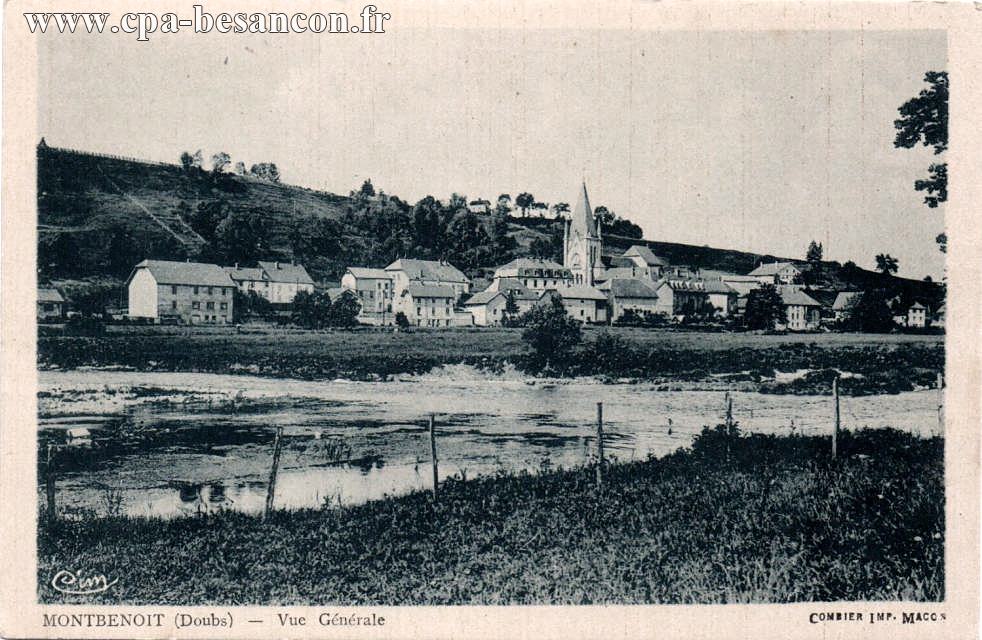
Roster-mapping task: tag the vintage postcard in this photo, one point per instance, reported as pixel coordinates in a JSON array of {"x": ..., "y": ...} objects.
[{"x": 490, "y": 319}]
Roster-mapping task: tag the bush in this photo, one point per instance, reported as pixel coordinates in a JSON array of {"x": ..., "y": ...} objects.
[
  {"x": 551, "y": 334},
  {"x": 84, "y": 326}
]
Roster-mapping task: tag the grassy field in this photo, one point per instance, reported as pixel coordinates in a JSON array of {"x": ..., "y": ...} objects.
[
  {"x": 746, "y": 519},
  {"x": 890, "y": 362}
]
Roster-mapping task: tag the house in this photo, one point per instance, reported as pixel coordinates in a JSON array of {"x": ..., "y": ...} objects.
[
  {"x": 278, "y": 282},
  {"x": 51, "y": 305},
  {"x": 681, "y": 296},
  {"x": 643, "y": 258},
  {"x": 524, "y": 298},
  {"x": 536, "y": 274},
  {"x": 776, "y": 273},
  {"x": 189, "y": 292},
  {"x": 406, "y": 271},
  {"x": 939, "y": 316},
  {"x": 721, "y": 297},
  {"x": 630, "y": 294},
  {"x": 741, "y": 285},
  {"x": 374, "y": 288},
  {"x": 917, "y": 316},
  {"x": 487, "y": 307},
  {"x": 462, "y": 318},
  {"x": 481, "y": 206},
  {"x": 802, "y": 312},
  {"x": 586, "y": 304},
  {"x": 843, "y": 303},
  {"x": 429, "y": 305}
]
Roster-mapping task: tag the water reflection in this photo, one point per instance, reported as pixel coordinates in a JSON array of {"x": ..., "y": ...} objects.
[{"x": 351, "y": 442}]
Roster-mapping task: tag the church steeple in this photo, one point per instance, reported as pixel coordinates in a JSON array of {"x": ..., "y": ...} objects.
[{"x": 581, "y": 250}]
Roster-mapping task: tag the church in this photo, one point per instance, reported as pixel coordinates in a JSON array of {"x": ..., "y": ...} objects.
[{"x": 582, "y": 242}]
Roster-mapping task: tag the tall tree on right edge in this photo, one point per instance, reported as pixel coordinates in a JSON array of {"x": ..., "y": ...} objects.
[{"x": 924, "y": 119}]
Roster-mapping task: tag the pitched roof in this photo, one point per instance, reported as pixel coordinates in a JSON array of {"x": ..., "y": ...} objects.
[
  {"x": 682, "y": 284},
  {"x": 366, "y": 272},
  {"x": 917, "y": 305},
  {"x": 482, "y": 297},
  {"x": 582, "y": 219},
  {"x": 772, "y": 268},
  {"x": 427, "y": 270},
  {"x": 532, "y": 263},
  {"x": 616, "y": 272},
  {"x": 431, "y": 291},
  {"x": 629, "y": 288},
  {"x": 797, "y": 297},
  {"x": 517, "y": 289},
  {"x": 646, "y": 254},
  {"x": 286, "y": 272},
  {"x": 580, "y": 293},
  {"x": 46, "y": 294},
  {"x": 717, "y": 286},
  {"x": 844, "y": 299},
  {"x": 245, "y": 273},
  {"x": 192, "y": 273}
]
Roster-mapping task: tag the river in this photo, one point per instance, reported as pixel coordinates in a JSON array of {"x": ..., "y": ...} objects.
[{"x": 169, "y": 444}]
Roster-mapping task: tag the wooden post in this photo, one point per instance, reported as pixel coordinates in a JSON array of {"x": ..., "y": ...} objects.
[
  {"x": 600, "y": 444},
  {"x": 271, "y": 488},
  {"x": 940, "y": 404},
  {"x": 729, "y": 414},
  {"x": 835, "y": 430},
  {"x": 49, "y": 486},
  {"x": 436, "y": 474}
]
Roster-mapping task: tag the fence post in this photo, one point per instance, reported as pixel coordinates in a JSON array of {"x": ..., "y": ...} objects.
[
  {"x": 49, "y": 487},
  {"x": 729, "y": 414},
  {"x": 436, "y": 475},
  {"x": 600, "y": 444},
  {"x": 271, "y": 488},
  {"x": 940, "y": 404},
  {"x": 835, "y": 430}
]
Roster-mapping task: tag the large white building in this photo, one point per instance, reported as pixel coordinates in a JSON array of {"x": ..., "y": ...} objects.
[
  {"x": 188, "y": 292},
  {"x": 278, "y": 282},
  {"x": 374, "y": 288},
  {"x": 535, "y": 274}
]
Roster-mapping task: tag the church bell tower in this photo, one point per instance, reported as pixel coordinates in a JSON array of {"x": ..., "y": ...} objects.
[{"x": 581, "y": 241}]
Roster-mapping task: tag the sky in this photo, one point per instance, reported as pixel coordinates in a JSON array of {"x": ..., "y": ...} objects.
[{"x": 758, "y": 141}]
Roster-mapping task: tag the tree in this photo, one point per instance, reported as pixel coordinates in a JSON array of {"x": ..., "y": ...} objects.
[
  {"x": 311, "y": 310},
  {"x": 367, "y": 188},
  {"x": 560, "y": 209},
  {"x": 503, "y": 206},
  {"x": 885, "y": 263},
  {"x": 924, "y": 119},
  {"x": 401, "y": 320},
  {"x": 344, "y": 310},
  {"x": 764, "y": 308},
  {"x": 869, "y": 312},
  {"x": 219, "y": 161},
  {"x": 197, "y": 159},
  {"x": 551, "y": 334},
  {"x": 242, "y": 237},
  {"x": 265, "y": 171},
  {"x": 502, "y": 244},
  {"x": 511, "y": 309},
  {"x": 249, "y": 304},
  {"x": 240, "y": 168},
  {"x": 524, "y": 201},
  {"x": 814, "y": 253},
  {"x": 186, "y": 161},
  {"x": 604, "y": 215}
]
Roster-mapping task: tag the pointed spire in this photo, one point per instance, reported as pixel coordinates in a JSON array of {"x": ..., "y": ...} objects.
[{"x": 583, "y": 215}]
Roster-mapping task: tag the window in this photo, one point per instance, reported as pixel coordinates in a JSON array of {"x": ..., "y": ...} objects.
[
  {"x": 210, "y": 291},
  {"x": 195, "y": 305},
  {"x": 224, "y": 306},
  {"x": 196, "y": 291},
  {"x": 224, "y": 291},
  {"x": 210, "y": 306},
  {"x": 173, "y": 304},
  {"x": 49, "y": 307},
  {"x": 173, "y": 289}
]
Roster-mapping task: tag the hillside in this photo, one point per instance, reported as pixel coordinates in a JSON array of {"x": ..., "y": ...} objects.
[{"x": 98, "y": 215}]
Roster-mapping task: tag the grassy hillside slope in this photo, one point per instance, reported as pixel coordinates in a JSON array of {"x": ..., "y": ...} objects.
[{"x": 98, "y": 215}]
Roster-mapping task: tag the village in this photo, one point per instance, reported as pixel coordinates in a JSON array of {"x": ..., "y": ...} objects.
[{"x": 635, "y": 287}]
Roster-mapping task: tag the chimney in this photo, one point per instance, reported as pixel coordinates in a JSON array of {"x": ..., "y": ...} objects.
[
  {"x": 277, "y": 265},
  {"x": 236, "y": 267}
]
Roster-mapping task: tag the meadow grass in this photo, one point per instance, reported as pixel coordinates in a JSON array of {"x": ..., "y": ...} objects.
[
  {"x": 733, "y": 519},
  {"x": 626, "y": 352}
]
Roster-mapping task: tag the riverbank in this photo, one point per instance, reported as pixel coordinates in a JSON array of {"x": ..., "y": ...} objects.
[
  {"x": 749, "y": 519},
  {"x": 880, "y": 363}
]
